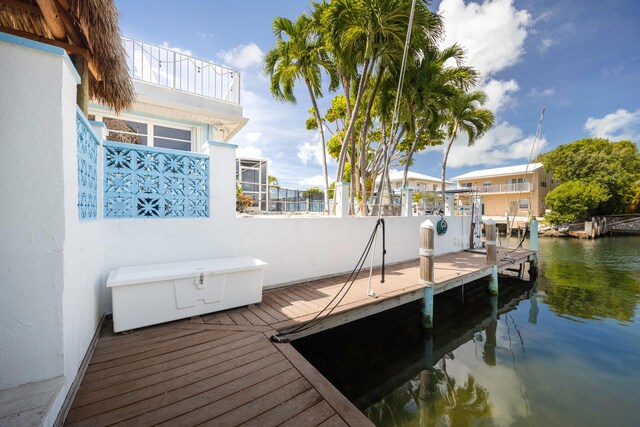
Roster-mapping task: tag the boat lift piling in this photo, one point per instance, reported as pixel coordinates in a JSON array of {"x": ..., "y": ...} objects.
[
  {"x": 427, "y": 270},
  {"x": 492, "y": 254}
]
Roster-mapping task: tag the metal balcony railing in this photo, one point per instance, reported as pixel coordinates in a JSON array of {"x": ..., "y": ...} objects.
[
  {"x": 523, "y": 187},
  {"x": 176, "y": 70}
]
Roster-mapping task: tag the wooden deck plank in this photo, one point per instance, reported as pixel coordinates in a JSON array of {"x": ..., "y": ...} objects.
[
  {"x": 334, "y": 421},
  {"x": 139, "y": 341},
  {"x": 286, "y": 410},
  {"x": 223, "y": 318},
  {"x": 201, "y": 408},
  {"x": 217, "y": 327},
  {"x": 195, "y": 383},
  {"x": 258, "y": 349},
  {"x": 273, "y": 312},
  {"x": 340, "y": 404},
  {"x": 238, "y": 318},
  {"x": 263, "y": 314},
  {"x": 122, "y": 369},
  {"x": 251, "y": 317},
  {"x": 259, "y": 405},
  {"x": 285, "y": 307},
  {"x": 224, "y": 351},
  {"x": 211, "y": 319},
  {"x": 312, "y": 416},
  {"x": 171, "y": 346},
  {"x": 133, "y": 348}
]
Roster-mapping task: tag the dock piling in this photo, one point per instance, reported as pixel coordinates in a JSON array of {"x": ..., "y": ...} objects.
[
  {"x": 427, "y": 270},
  {"x": 492, "y": 254}
]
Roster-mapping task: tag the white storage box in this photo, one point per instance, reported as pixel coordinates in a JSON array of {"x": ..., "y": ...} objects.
[{"x": 151, "y": 294}]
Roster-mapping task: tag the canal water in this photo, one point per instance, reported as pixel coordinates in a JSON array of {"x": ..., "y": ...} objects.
[{"x": 563, "y": 352}]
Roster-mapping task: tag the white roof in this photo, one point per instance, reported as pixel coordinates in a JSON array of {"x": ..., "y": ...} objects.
[
  {"x": 397, "y": 175},
  {"x": 509, "y": 170}
]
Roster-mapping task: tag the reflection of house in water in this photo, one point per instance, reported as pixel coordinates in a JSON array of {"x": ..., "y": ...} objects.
[{"x": 391, "y": 367}]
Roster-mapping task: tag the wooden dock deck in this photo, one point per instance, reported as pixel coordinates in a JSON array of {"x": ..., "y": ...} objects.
[{"x": 221, "y": 369}]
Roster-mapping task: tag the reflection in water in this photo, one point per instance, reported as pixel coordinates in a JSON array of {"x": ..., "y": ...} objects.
[
  {"x": 562, "y": 351},
  {"x": 591, "y": 279},
  {"x": 405, "y": 380}
]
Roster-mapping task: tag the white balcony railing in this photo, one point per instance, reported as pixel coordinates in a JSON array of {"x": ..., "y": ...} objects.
[
  {"x": 176, "y": 70},
  {"x": 523, "y": 187}
]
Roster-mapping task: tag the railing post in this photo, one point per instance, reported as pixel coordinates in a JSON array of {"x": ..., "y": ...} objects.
[
  {"x": 342, "y": 199},
  {"x": 407, "y": 202},
  {"x": 427, "y": 270},
  {"x": 492, "y": 254}
]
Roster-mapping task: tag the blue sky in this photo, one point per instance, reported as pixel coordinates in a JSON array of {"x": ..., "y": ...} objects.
[{"x": 578, "y": 58}]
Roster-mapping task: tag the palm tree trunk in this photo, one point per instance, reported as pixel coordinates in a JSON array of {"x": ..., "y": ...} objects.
[
  {"x": 352, "y": 120},
  {"x": 411, "y": 151},
  {"x": 325, "y": 175},
  {"x": 444, "y": 159},
  {"x": 363, "y": 136}
]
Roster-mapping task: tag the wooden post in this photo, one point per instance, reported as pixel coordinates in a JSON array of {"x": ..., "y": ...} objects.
[
  {"x": 492, "y": 254},
  {"x": 82, "y": 95},
  {"x": 427, "y": 270}
]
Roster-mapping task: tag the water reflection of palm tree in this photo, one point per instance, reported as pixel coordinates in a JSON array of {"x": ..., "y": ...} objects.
[{"x": 442, "y": 401}]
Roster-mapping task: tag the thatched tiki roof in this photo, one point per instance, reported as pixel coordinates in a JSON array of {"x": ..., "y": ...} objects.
[{"x": 85, "y": 28}]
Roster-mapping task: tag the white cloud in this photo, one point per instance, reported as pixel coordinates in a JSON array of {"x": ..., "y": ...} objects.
[
  {"x": 545, "y": 44},
  {"x": 621, "y": 124},
  {"x": 314, "y": 181},
  {"x": 544, "y": 92},
  {"x": 504, "y": 143},
  {"x": 243, "y": 56},
  {"x": 166, "y": 45},
  {"x": 249, "y": 151},
  {"x": 253, "y": 136},
  {"x": 493, "y": 33},
  {"x": 281, "y": 128},
  {"x": 310, "y": 153},
  {"x": 499, "y": 93}
]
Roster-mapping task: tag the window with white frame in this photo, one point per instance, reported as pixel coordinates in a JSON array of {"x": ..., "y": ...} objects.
[
  {"x": 523, "y": 204},
  {"x": 154, "y": 134}
]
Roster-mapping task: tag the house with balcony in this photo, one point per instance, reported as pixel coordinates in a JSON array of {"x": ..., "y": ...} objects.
[
  {"x": 417, "y": 182},
  {"x": 182, "y": 102},
  {"x": 510, "y": 191}
]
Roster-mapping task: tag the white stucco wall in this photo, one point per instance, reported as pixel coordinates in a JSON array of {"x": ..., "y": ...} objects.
[
  {"x": 32, "y": 212},
  {"x": 296, "y": 248}
]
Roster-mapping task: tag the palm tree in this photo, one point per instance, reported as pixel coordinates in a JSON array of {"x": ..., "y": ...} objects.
[
  {"x": 300, "y": 55},
  {"x": 465, "y": 115},
  {"x": 372, "y": 34},
  {"x": 430, "y": 84}
]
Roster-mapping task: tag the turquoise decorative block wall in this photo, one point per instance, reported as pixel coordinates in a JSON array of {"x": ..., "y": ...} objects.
[
  {"x": 87, "y": 169},
  {"x": 149, "y": 182}
]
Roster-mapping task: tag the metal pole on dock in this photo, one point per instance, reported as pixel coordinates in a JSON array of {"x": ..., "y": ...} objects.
[
  {"x": 427, "y": 270},
  {"x": 492, "y": 254}
]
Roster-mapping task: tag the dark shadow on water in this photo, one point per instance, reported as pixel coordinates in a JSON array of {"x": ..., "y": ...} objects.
[{"x": 392, "y": 369}]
